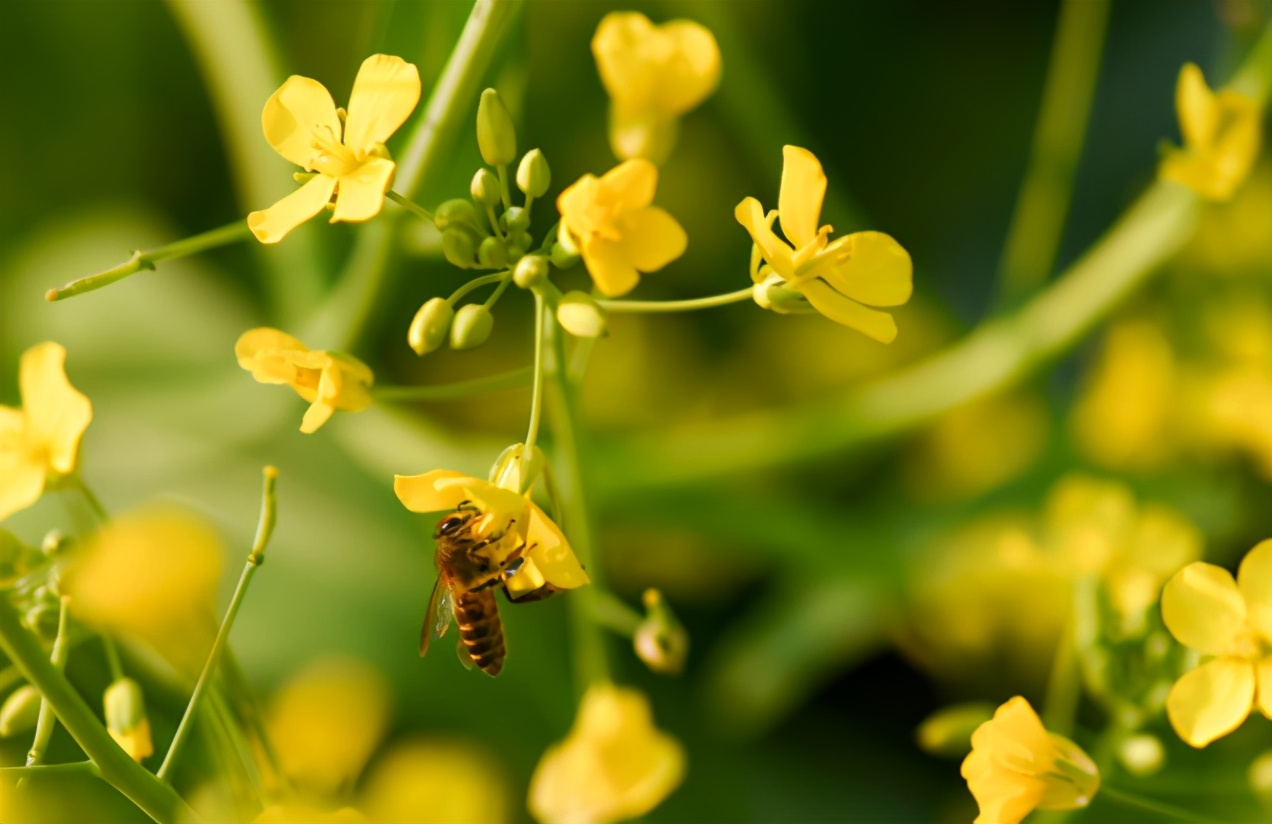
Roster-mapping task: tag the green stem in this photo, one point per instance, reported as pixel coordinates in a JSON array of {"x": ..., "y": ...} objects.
[
  {"x": 45, "y": 722},
  {"x": 499, "y": 290},
  {"x": 84, "y": 767},
  {"x": 1063, "y": 683},
  {"x": 112, "y": 658},
  {"x": 674, "y": 305},
  {"x": 511, "y": 379},
  {"x": 222, "y": 236},
  {"x": 411, "y": 206},
  {"x": 94, "y": 503},
  {"x": 154, "y": 797},
  {"x": 254, "y": 559},
  {"x": 505, "y": 193},
  {"x": 1043, "y": 203},
  {"x": 614, "y": 614},
  {"x": 536, "y": 383},
  {"x": 1134, "y": 800},
  {"x": 476, "y": 283}
]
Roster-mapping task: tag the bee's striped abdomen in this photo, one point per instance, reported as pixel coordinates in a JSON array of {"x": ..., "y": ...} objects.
[{"x": 481, "y": 633}]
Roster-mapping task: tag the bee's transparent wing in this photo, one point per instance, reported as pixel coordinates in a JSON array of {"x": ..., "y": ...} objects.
[{"x": 438, "y": 618}]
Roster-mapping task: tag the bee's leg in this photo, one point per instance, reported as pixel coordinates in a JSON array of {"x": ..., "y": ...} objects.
[{"x": 545, "y": 591}]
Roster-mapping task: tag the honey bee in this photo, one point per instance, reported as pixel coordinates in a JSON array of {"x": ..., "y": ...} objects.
[{"x": 469, "y": 567}]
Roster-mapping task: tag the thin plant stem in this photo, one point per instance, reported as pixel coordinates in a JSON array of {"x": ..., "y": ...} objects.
[
  {"x": 512, "y": 379},
  {"x": 475, "y": 283},
  {"x": 410, "y": 205},
  {"x": 536, "y": 383},
  {"x": 254, "y": 559},
  {"x": 112, "y": 658},
  {"x": 614, "y": 614},
  {"x": 505, "y": 193},
  {"x": 1043, "y": 204},
  {"x": 94, "y": 503},
  {"x": 45, "y": 722},
  {"x": 675, "y": 305},
  {"x": 78, "y": 767},
  {"x": 498, "y": 293},
  {"x": 230, "y": 233},
  {"x": 1064, "y": 682},
  {"x": 1134, "y": 800}
]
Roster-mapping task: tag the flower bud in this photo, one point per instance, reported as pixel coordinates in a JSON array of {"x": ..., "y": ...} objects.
[
  {"x": 126, "y": 719},
  {"x": 515, "y": 470},
  {"x": 430, "y": 326},
  {"x": 515, "y": 219},
  {"x": 471, "y": 327},
  {"x": 948, "y": 731},
  {"x": 456, "y": 214},
  {"x": 42, "y": 620},
  {"x": 562, "y": 256},
  {"x": 485, "y": 188},
  {"x": 579, "y": 314},
  {"x": 492, "y": 254},
  {"x": 1142, "y": 755},
  {"x": 775, "y": 295},
  {"x": 496, "y": 137},
  {"x": 459, "y": 248},
  {"x": 531, "y": 270},
  {"x": 660, "y": 640},
  {"x": 20, "y": 711},
  {"x": 533, "y": 175}
]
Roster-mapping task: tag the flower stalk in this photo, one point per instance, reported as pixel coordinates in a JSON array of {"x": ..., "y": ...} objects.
[{"x": 44, "y": 725}]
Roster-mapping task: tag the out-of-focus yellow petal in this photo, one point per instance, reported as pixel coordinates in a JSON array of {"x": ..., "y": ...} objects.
[
  {"x": 551, "y": 554},
  {"x": 318, "y": 413},
  {"x": 609, "y": 267},
  {"x": 360, "y": 195},
  {"x": 840, "y": 309},
  {"x": 384, "y": 95},
  {"x": 272, "y": 225},
  {"x": 436, "y": 782},
  {"x": 56, "y": 413},
  {"x": 355, "y": 385},
  {"x": 1196, "y": 106},
  {"x": 799, "y": 201},
  {"x": 255, "y": 342},
  {"x": 1254, "y": 579},
  {"x": 652, "y": 238},
  {"x": 1222, "y": 133},
  {"x": 1263, "y": 684},
  {"x": 629, "y": 185},
  {"x": 694, "y": 72},
  {"x": 760, "y": 227},
  {"x": 21, "y": 478},
  {"x": 301, "y": 109},
  {"x": 300, "y": 813},
  {"x": 662, "y": 70},
  {"x": 1203, "y": 609},
  {"x": 431, "y": 491},
  {"x": 1212, "y": 700},
  {"x": 575, "y": 204}
]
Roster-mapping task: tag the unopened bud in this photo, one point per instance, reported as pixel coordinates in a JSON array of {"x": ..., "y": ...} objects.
[
  {"x": 516, "y": 470},
  {"x": 948, "y": 731},
  {"x": 563, "y": 256},
  {"x": 20, "y": 711},
  {"x": 471, "y": 327},
  {"x": 496, "y": 137},
  {"x": 579, "y": 314},
  {"x": 459, "y": 248},
  {"x": 1142, "y": 754},
  {"x": 531, "y": 270},
  {"x": 515, "y": 219},
  {"x": 775, "y": 295},
  {"x": 661, "y": 640},
  {"x": 42, "y": 620},
  {"x": 126, "y": 718},
  {"x": 533, "y": 175},
  {"x": 485, "y": 187},
  {"x": 430, "y": 326},
  {"x": 457, "y": 214},
  {"x": 492, "y": 254}
]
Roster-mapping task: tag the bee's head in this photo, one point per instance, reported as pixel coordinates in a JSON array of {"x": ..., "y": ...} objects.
[{"x": 453, "y": 524}]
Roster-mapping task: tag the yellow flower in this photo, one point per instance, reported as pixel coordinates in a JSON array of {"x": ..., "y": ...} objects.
[
  {"x": 328, "y": 380},
  {"x": 1016, "y": 766},
  {"x": 611, "y": 224},
  {"x": 1205, "y": 609},
  {"x": 303, "y": 125},
  {"x": 301, "y": 813},
  {"x": 614, "y": 764},
  {"x": 1222, "y": 133},
  {"x": 39, "y": 442},
  {"x": 653, "y": 74},
  {"x": 548, "y": 559},
  {"x": 838, "y": 279},
  {"x": 433, "y": 782}
]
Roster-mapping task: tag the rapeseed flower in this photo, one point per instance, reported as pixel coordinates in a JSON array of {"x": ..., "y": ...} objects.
[
  {"x": 1016, "y": 766},
  {"x": 839, "y": 279},
  {"x": 548, "y": 558},
  {"x": 610, "y": 222},
  {"x": 328, "y": 380},
  {"x": 653, "y": 74},
  {"x": 1231, "y": 621},
  {"x": 614, "y": 765},
  {"x": 346, "y": 152},
  {"x": 1222, "y": 132},
  {"x": 436, "y": 782},
  {"x": 39, "y": 443}
]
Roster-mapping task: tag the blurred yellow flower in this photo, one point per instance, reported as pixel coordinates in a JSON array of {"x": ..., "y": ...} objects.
[
  {"x": 838, "y": 279},
  {"x": 328, "y": 380},
  {"x": 611, "y": 223},
  {"x": 436, "y": 782},
  {"x": 614, "y": 764},
  {"x": 303, "y": 125},
  {"x": 548, "y": 559},
  {"x": 126, "y": 720},
  {"x": 1222, "y": 133},
  {"x": 1206, "y": 610},
  {"x": 1016, "y": 766},
  {"x": 308, "y": 814},
  {"x": 653, "y": 74},
  {"x": 40, "y": 441}
]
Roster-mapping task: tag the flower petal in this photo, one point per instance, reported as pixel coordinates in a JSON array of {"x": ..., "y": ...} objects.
[
  {"x": 318, "y": 413},
  {"x": 253, "y": 342},
  {"x": 799, "y": 203},
  {"x": 1263, "y": 680},
  {"x": 21, "y": 480},
  {"x": 1212, "y": 700},
  {"x": 1197, "y": 107},
  {"x": 424, "y": 493},
  {"x": 361, "y": 194},
  {"x": 1254, "y": 579},
  {"x": 870, "y": 322},
  {"x": 384, "y": 95},
  {"x": 693, "y": 71},
  {"x": 652, "y": 238},
  {"x": 611, "y": 271},
  {"x": 56, "y": 412},
  {"x": 778, "y": 254},
  {"x": 878, "y": 271},
  {"x": 300, "y": 108},
  {"x": 629, "y": 185},
  {"x": 551, "y": 553},
  {"x": 272, "y": 225},
  {"x": 356, "y": 381},
  {"x": 1203, "y": 609}
]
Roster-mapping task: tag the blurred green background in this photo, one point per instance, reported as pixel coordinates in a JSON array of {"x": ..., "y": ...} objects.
[{"x": 792, "y": 581}]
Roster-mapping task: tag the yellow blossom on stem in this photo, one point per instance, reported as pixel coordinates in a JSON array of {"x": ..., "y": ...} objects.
[
  {"x": 1206, "y": 610},
  {"x": 348, "y": 158},
  {"x": 614, "y": 765},
  {"x": 1016, "y": 766},
  {"x": 302, "y": 813},
  {"x": 328, "y": 380},
  {"x": 653, "y": 74},
  {"x": 839, "y": 279},
  {"x": 39, "y": 443},
  {"x": 436, "y": 782},
  {"x": 548, "y": 558},
  {"x": 610, "y": 222},
  {"x": 1222, "y": 132}
]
